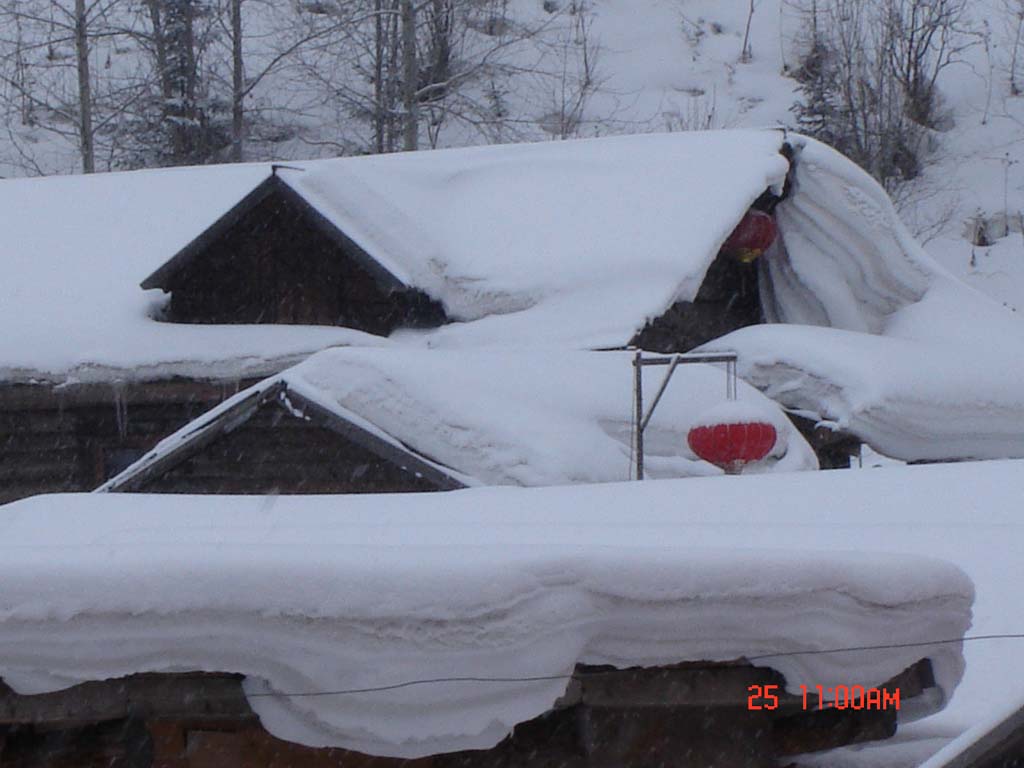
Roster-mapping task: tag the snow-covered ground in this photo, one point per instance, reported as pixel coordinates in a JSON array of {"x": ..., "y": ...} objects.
[{"x": 308, "y": 593}]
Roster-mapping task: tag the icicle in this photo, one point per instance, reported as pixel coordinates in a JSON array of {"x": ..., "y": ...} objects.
[{"x": 120, "y": 410}]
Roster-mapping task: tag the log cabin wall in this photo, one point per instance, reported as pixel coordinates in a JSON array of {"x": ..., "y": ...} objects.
[
  {"x": 75, "y": 437},
  {"x": 275, "y": 265}
]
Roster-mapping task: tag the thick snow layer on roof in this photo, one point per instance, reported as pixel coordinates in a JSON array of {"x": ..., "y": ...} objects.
[
  {"x": 306, "y": 594},
  {"x": 534, "y": 418},
  {"x": 902, "y": 354},
  {"x": 909, "y": 399},
  {"x": 593, "y": 237},
  {"x": 519, "y": 417},
  {"x": 73, "y": 251},
  {"x": 844, "y": 258},
  {"x": 574, "y": 242}
]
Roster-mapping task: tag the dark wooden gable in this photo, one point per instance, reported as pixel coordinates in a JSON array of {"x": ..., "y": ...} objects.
[
  {"x": 276, "y": 441},
  {"x": 274, "y": 259},
  {"x": 276, "y": 453},
  {"x": 728, "y": 299}
]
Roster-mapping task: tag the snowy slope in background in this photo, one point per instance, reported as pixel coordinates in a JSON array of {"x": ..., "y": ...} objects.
[{"x": 488, "y": 582}]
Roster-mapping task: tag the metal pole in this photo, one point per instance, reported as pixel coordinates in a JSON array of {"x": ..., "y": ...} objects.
[
  {"x": 659, "y": 393},
  {"x": 638, "y": 384}
]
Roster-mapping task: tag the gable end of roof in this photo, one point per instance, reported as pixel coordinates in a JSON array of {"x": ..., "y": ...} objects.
[
  {"x": 156, "y": 463},
  {"x": 164, "y": 276}
]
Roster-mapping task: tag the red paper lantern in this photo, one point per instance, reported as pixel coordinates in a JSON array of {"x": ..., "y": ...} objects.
[
  {"x": 753, "y": 236},
  {"x": 732, "y": 446}
]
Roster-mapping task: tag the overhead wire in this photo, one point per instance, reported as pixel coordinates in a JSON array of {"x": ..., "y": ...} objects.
[{"x": 575, "y": 675}]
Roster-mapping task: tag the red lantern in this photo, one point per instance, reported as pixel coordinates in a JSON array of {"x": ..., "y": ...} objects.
[
  {"x": 732, "y": 446},
  {"x": 753, "y": 236}
]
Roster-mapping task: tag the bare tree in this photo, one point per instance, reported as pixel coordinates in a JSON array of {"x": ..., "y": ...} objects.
[
  {"x": 746, "y": 54},
  {"x": 410, "y": 78},
  {"x": 868, "y": 77},
  {"x": 574, "y": 79},
  {"x": 45, "y": 64},
  {"x": 237, "y": 81},
  {"x": 388, "y": 94},
  {"x": 921, "y": 38}
]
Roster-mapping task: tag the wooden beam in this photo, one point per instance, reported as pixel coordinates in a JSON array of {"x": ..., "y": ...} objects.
[{"x": 405, "y": 457}]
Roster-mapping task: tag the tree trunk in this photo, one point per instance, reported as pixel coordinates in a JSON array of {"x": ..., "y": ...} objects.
[
  {"x": 378, "y": 76},
  {"x": 182, "y": 114},
  {"x": 84, "y": 89},
  {"x": 410, "y": 78},
  {"x": 237, "y": 83}
]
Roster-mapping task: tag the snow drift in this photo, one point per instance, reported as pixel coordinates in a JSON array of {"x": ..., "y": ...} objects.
[{"x": 308, "y": 594}]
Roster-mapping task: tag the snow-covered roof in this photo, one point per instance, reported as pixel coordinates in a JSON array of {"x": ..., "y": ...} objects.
[
  {"x": 329, "y": 593},
  {"x": 509, "y": 417},
  {"x": 575, "y": 242},
  {"x": 73, "y": 250},
  {"x": 572, "y": 244},
  {"x": 994, "y": 739},
  {"x": 908, "y": 399},
  {"x": 873, "y": 336}
]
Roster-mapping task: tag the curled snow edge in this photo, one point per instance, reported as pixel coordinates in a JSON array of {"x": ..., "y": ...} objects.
[{"x": 320, "y": 594}]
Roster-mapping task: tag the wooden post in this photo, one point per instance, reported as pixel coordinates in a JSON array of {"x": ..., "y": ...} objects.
[{"x": 638, "y": 384}]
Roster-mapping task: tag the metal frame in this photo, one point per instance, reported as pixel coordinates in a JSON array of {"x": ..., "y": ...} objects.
[{"x": 672, "y": 361}]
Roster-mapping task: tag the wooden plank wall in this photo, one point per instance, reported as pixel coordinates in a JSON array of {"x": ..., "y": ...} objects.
[
  {"x": 690, "y": 715},
  {"x": 63, "y": 440},
  {"x": 59, "y": 439},
  {"x": 275, "y": 266}
]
